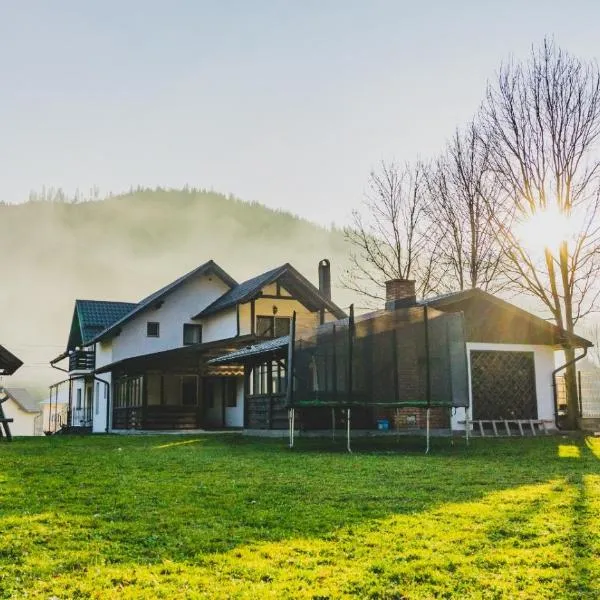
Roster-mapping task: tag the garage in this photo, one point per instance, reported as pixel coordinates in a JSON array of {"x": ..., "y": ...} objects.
[{"x": 503, "y": 385}]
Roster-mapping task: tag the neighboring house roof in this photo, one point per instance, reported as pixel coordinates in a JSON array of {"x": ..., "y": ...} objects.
[
  {"x": 9, "y": 363},
  {"x": 295, "y": 283},
  {"x": 267, "y": 347},
  {"x": 91, "y": 317},
  {"x": 207, "y": 267},
  {"x": 454, "y": 301},
  {"x": 23, "y": 399}
]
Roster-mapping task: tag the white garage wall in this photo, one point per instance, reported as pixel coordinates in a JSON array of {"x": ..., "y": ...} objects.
[{"x": 543, "y": 357}]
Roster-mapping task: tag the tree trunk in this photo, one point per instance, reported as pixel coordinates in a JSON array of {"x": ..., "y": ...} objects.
[{"x": 571, "y": 421}]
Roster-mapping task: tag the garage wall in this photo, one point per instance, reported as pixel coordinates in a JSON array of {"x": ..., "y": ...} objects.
[{"x": 544, "y": 365}]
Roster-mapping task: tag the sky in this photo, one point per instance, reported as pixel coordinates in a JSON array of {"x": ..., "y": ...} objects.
[{"x": 289, "y": 103}]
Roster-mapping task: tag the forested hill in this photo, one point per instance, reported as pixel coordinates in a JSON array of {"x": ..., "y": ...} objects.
[{"x": 124, "y": 247}]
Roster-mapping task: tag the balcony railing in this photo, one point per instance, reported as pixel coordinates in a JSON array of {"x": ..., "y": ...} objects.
[{"x": 82, "y": 360}]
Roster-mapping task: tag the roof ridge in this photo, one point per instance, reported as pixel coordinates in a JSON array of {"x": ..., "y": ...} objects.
[{"x": 158, "y": 294}]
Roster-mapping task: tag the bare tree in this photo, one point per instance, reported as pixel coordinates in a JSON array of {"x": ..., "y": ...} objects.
[
  {"x": 592, "y": 333},
  {"x": 389, "y": 237},
  {"x": 463, "y": 207},
  {"x": 542, "y": 124}
]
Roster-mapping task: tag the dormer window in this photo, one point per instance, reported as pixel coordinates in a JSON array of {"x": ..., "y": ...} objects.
[{"x": 153, "y": 329}]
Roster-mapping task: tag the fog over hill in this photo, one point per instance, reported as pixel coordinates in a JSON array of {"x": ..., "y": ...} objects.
[{"x": 124, "y": 247}]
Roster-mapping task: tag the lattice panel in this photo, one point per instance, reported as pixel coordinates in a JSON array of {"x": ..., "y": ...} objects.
[{"x": 503, "y": 385}]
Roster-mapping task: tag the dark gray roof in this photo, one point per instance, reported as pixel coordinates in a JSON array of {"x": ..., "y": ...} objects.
[
  {"x": 207, "y": 267},
  {"x": 453, "y": 298},
  {"x": 9, "y": 363},
  {"x": 266, "y": 347},
  {"x": 241, "y": 292},
  {"x": 22, "y": 397},
  {"x": 295, "y": 283}
]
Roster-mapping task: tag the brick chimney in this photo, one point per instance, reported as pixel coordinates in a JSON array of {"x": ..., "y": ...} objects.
[{"x": 400, "y": 293}]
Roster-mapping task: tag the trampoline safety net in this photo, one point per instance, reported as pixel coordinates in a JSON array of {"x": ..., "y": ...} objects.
[{"x": 412, "y": 356}]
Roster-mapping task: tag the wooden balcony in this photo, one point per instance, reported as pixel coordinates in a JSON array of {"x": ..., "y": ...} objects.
[{"x": 82, "y": 360}]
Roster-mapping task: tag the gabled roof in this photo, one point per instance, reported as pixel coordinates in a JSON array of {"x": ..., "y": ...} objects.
[
  {"x": 268, "y": 347},
  {"x": 9, "y": 363},
  {"x": 207, "y": 267},
  {"x": 22, "y": 397},
  {"x": 295, "y": 283},
  {"x": 561, "y": 336},
  {"x": 91, "y": 317}
]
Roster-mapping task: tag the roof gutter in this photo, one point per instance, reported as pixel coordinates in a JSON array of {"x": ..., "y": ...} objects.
[
  {"x": 58, "y": 359},
  {"x": 554, "y": 373}
]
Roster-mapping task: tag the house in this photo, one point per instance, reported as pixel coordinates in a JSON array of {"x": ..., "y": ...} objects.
[
  {"x": 23, "y": 409},
  {"x": 144, "y": 365},
  {"x": 487, "y": 360}
]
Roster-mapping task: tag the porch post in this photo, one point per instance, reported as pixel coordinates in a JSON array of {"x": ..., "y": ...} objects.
[{"x": 144, "y": 391}]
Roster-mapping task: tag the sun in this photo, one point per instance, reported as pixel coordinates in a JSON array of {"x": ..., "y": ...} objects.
[{"x": 546, "y": 229}]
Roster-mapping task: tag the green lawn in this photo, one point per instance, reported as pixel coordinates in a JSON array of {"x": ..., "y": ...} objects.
[{"x": 227, "y": 516}]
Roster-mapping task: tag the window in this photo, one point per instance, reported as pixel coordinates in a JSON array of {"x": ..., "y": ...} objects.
[
  {"x": 153, "y": 329},
  {"x": 268, "y": 378},
  {"x": 230, "y": 392},
  {"x": 128, "y": 392},
  {"x": 97, "y": 397},
  {"x": 78, "y": 405},
  {"x": 272, "y": 326},
  {"x": 192, "y": 334}
]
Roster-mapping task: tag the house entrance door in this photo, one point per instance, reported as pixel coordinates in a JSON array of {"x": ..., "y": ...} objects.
[{"x": 214, "y": 408}]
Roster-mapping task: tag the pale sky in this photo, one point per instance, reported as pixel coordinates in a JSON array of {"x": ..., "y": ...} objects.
[{"x": 290, "y": 103}]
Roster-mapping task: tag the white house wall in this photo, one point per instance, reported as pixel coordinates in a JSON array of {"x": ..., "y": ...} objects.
[
  {"x": 178, "y": 308},
  {"x": 24, "y": 422},
  {"x": 220, "y": 326},
  {"x": 104, "y": 353},
  {"x": 543, "y": 357}
]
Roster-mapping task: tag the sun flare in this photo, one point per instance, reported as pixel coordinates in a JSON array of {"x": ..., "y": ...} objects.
[{"x": 546, "y": 229}]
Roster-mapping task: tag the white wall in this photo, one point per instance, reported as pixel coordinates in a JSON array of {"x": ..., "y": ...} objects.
[
  {"x": 220, "y": 326},
  {"x": 543, "y": 357},
  {"x": 103, "y": 353},
  {"x": 24, "y": 422},
  {"x": 234, "y": 416},
  {"x": 178, "y": 308}
]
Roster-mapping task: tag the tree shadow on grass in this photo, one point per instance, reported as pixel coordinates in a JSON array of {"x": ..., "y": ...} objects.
[{"x": 125, "y": 502}]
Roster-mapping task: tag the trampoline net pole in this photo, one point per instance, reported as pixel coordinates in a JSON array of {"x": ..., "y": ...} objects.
[
  {"x": 333, "y": 423},
  {"x": 348, "y": 429},
  {"x": 427, "y": 449}
]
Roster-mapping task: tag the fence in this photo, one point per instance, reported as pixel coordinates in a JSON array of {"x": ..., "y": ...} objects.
[{"x": 589, "y": 393}]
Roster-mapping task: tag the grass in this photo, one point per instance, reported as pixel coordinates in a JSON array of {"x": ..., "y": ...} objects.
[{"x": 232, "y": 517}]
